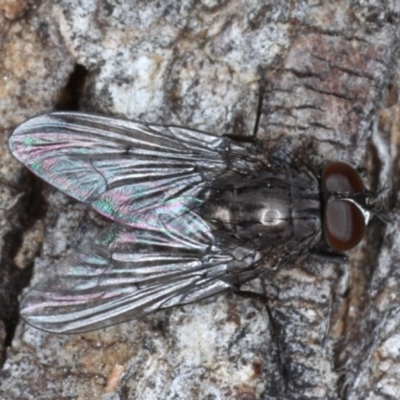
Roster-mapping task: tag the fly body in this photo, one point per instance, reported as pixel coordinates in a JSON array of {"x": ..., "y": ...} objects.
[{"x": 194, "y": 214}]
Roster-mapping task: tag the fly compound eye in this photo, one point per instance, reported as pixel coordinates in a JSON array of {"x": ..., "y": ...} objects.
[
  {"x": 340, "y": 177},
  {"x": 344, "y": 225},
  {"x": 344, "y": 222}
]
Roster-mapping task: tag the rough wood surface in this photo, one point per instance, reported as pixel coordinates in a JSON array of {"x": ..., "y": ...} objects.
[{"x": 331, "y": 94}]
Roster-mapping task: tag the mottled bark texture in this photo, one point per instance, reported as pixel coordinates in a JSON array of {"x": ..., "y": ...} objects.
[{"x": 331, "y": 94}]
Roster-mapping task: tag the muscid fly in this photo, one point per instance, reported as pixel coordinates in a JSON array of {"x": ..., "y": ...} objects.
[{"x": 195, "y": 214}]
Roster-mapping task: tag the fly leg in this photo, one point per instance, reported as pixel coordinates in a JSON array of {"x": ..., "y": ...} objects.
[
  {"x": 260, "y": 103},
  {"x": 274, "y": 330},
  {"x": 261, "y": 93},
  {"x": 328, "y": 254}
]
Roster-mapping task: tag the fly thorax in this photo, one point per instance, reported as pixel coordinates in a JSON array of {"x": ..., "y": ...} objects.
[{"x": 274, "y": 214}]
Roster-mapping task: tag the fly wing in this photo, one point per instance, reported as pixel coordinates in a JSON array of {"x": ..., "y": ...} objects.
[
  {"x": 123, "y": 168},
  {"x": 127, "y": 272}
]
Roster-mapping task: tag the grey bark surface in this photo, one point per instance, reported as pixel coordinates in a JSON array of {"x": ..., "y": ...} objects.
[{"x": 332, "y": 74}]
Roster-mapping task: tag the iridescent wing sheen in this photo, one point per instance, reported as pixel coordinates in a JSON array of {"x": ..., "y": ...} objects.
[
  {"x": 128, "y": 272},
  {"x": 124, "y": 168}
]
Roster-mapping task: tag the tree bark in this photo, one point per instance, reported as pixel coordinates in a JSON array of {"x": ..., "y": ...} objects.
[{"x": 330, "y": 94}]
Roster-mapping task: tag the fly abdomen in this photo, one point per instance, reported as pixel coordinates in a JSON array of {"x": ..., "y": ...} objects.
[{"x": 278, "y": 210}]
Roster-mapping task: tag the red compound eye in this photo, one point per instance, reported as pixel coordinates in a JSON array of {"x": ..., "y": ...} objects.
[
  {"x": 340, "y": 177},
  {"x": 344, "y": 222}
]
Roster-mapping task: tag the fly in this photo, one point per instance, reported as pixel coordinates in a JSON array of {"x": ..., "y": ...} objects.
[{"x": 194, "y": 214}]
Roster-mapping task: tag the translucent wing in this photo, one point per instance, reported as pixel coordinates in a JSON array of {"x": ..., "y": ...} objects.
[
  {"x": 128, "y": 272},
  {"x": 123, "y": 168}
]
